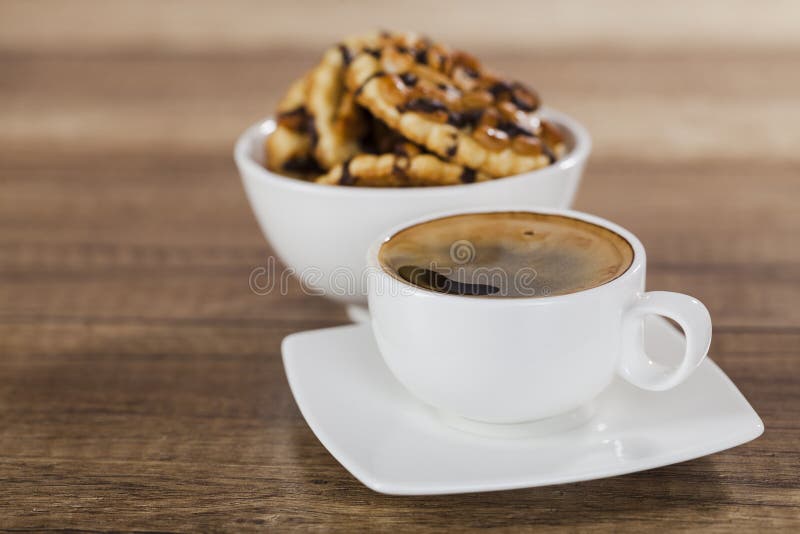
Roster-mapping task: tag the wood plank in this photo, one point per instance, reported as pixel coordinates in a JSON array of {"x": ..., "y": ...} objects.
[
  {"x": 243, "y": 25},
  {"x": 196, "y": 429},
  {"x": 735, "y": 297},
  {"x": 195, "y": 263},
  {"x": 721, "y": 220},
  {"x": 737, "y": 109}
]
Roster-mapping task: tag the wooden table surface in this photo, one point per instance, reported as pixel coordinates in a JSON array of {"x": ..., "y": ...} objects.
[{"x": 141, "y": 386}]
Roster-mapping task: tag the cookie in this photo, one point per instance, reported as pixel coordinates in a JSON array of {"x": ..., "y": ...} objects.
[
  {"x": 407, "y": 166},
  {"x": 453, "y": 121},
  {"x": 471, "y": 118},
  {"x": 319, "y": 122},
  {"x": 333, "y": 111},
  {"x": 289, "y": 149}
]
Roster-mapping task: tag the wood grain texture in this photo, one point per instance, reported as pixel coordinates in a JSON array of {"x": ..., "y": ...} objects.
[{"x": 141, "y": 386}]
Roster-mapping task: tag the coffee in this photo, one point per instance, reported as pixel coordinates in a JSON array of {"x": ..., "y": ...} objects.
[{"x": 506, "y": 254}]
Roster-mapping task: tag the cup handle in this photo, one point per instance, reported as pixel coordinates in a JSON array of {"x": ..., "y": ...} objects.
[{"x": 636, "y": 367}]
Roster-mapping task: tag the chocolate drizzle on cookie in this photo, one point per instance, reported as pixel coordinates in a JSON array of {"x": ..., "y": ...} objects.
[
  {"x": 296, "y": 119},
  {"x": 522, "y": 97},
  {"x": 347, "y": 55},
  {"x": 499, "y": 88},
  {"x": 468, "y": 175},
  {"x": 424, "y": 105},
  {"x": 465, "y": 119},
  {"x": 347, "y": 178},
  {"x": 551, "y": 157},
  {"x": 312, "y": 131},
  {"x": 409, "y": 79},
  {"x": 299, "y": 120},
  {"x": 400, "y": 167},
  {"x": 303, "y": 165},
  {"x": 373, "y": 76},
  {"x": 513, "y": 129}
]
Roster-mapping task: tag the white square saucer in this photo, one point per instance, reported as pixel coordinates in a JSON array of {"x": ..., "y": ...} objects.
[{"x": 395, "y": 444}]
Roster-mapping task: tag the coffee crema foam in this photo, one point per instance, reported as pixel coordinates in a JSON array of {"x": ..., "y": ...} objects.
[{"x": 506, "y": 254}]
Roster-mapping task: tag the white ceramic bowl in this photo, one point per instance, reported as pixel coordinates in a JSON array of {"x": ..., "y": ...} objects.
[{"x": 322, "y": 232}]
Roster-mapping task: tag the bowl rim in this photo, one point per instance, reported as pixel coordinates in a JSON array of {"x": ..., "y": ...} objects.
[{"x": 261, "y": 129}]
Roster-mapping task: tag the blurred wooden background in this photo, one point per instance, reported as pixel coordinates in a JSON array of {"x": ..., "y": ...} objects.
[{"x": 140, "y": 379}]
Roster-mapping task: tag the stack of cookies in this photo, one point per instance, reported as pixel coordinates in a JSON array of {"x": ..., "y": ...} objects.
[{"x": 394, "y": 110}]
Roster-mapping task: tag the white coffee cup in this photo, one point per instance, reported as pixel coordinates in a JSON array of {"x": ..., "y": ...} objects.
[{"x": 515, "y": 360}]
